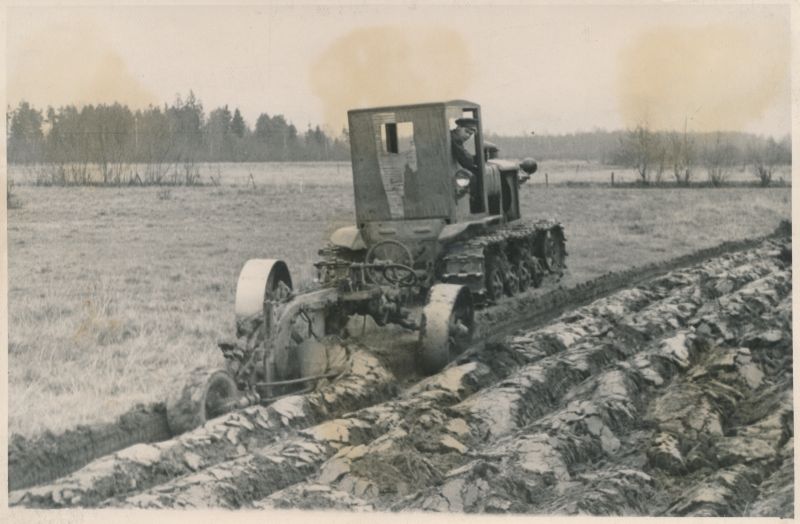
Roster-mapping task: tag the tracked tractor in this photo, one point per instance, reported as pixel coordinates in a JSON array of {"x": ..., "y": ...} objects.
[{"x": 435, "y": 237}]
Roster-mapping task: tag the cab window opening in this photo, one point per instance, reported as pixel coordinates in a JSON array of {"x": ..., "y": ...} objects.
[{"x": 398, "y": 137}]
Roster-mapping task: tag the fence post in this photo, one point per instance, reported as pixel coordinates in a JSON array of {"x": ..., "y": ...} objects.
[
  {"x": 546, "y": 183},
  {"x": 612, "y": 178}
]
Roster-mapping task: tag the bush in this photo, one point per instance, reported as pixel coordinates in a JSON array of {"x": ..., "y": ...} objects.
[{"x": 764, "y": 174}]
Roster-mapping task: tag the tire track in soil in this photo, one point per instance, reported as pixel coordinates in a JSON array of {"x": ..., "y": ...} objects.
[{"x": 308, "y": 450}]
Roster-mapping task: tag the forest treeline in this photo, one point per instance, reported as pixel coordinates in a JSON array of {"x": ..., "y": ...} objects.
[
  {"x": 182, "y": 133},
  {"x": 174, "y": 133}
]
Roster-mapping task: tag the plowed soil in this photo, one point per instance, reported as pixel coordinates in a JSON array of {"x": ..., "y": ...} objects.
[{"x": 672, "y": 397}]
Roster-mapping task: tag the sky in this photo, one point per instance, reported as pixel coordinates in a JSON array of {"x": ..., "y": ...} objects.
[{"x": 533, "y": 68}]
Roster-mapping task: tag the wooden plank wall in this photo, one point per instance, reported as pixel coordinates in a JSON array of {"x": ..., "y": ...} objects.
[
  {"x": 396, "y": 186},
  {"x": 371, "y": 201}
]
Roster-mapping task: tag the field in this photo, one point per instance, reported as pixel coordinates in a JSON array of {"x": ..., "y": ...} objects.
[
  {"x": 114, "y": 292},
  {"x": 669, "y": 396},
  {"x": 246, "y": 174}
]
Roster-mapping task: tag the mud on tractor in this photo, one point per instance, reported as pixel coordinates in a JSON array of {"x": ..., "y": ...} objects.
[{"x": 435, "y": 238}]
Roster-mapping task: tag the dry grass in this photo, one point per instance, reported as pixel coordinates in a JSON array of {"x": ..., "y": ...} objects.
[
  {"x": 114, "y": 292},
  {"x": 610, "y": 229},
  {"x": 570, "y": 172}
]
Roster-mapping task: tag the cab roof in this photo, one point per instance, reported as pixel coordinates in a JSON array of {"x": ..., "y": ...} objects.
[{"x": 459, "y": 103}]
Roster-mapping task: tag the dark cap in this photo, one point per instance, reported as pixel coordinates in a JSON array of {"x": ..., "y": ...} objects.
[{"x": 467, "y": 122}]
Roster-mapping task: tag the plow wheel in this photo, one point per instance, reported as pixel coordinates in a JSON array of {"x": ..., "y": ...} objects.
[
  {"x": 304, "y": 350},
  {"x": 551, "y": 250},
  {"x": 261, "y": 279},
  {"x": 205, "y": 395},
  {"x": 446, "y": 327}
]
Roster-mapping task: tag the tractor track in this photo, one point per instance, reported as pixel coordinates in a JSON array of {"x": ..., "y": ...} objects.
[{"x": 268, "y": 454}]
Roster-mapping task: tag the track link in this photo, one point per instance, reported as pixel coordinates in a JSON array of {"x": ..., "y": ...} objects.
[{"x": 505, "y": 261}]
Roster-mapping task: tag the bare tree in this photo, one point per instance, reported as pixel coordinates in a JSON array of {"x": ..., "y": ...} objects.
[
  {"x": 764, "y": 158},
  {"x": 660, "y": 157},
  {"x": 718, "y": 159},
  {"x": 681, "y": 155},
  {"x": 639, "y": 150}
]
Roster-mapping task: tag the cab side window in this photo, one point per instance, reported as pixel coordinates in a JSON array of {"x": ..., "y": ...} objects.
[{"x": 398, "y": 137}]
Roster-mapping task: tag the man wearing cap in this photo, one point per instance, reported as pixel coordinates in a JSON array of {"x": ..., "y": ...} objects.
[{"x": 466, "y": 127}]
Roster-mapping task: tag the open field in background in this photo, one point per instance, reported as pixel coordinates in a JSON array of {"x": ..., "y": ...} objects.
[
  {"x": 561, "y": 172},
  {"x": 280, "y": 173},
  {"x": 114, "y": 292}
]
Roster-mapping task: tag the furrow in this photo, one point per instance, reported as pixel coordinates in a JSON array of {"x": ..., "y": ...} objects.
[
  {"x": 710, "y": 436},
  {"x": 239, "y": 482},
  {"x": 520, "y": 422},
  {"x": 48, "y": 457},
  {"x": 232, "y": 435},
  {"x": 541, "y": 468},
  {"x": 393, "y": 466}
]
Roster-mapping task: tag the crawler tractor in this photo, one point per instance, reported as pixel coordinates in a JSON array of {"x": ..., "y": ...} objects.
[{"x": 432, "y": 241}]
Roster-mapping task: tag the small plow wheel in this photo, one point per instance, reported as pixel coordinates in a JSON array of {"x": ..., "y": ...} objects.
[
  {"x": 205, "y": 395},
  {"x": 446, "y": 328}
]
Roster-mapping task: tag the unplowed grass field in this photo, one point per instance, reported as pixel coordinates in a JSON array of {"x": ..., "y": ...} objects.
[{"x": 115, "y": 292}]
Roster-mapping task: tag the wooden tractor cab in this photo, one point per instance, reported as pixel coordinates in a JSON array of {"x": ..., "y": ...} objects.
[{"x": 436, "y": 235}]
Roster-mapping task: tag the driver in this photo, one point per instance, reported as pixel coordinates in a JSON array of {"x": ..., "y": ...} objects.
[{"x": 465, "y": 128}]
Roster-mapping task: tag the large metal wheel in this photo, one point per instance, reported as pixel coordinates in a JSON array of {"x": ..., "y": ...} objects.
[
  {"x": 304, "y": 352},
  {"x": 260, "y": 279},
  {"x": 446, "y": 328},
  {"x": 205, "y": 394}
]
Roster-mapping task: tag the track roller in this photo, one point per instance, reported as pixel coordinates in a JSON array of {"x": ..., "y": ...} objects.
[{"x": 551, "y": 250}]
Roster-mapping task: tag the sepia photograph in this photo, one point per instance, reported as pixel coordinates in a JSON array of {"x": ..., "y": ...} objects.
[{"x": 529, "y": 259}]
